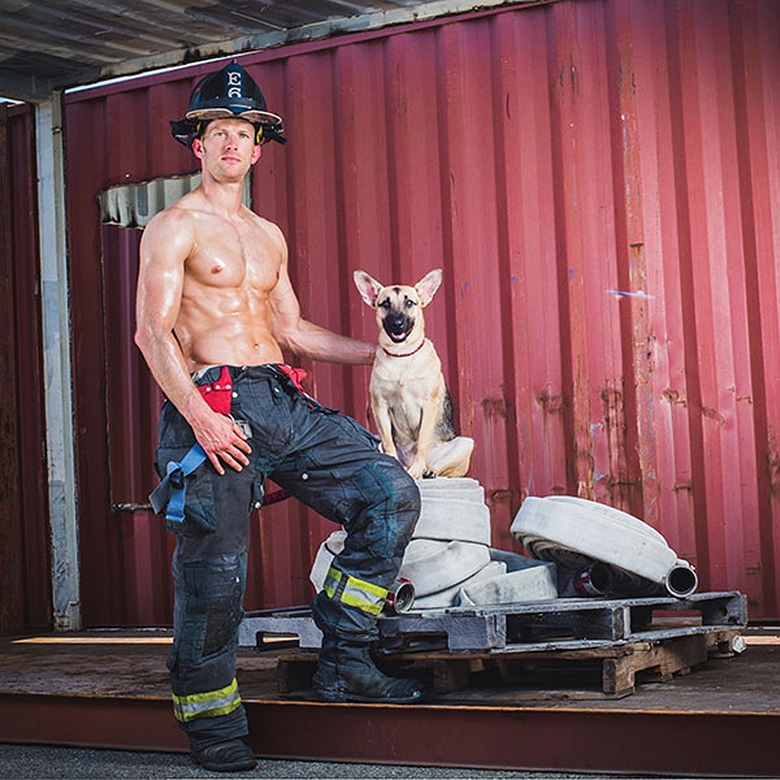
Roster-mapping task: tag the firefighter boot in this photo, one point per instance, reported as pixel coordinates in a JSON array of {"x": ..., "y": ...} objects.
[
  {"x": 233, "y": 755},
  {"x": 346, "y": 672}
]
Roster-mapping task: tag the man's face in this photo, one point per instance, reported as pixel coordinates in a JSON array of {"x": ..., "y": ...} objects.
[{"x": 227, "y": 148}]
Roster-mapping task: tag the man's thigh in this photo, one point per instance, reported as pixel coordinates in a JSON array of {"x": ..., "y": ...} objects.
[{"x": 337, "y": 468}]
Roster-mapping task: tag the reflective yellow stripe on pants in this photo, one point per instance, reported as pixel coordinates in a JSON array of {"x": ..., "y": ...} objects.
[
  {"x": 210, "y": 704},
  {"x": 354, "y": 592}
]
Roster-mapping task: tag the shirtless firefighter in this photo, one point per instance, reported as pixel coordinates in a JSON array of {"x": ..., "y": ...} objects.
[{"x": 215, "y": 309}]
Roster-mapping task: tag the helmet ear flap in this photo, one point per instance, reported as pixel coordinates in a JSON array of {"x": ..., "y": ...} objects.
[{"x": 185, "y": 131}]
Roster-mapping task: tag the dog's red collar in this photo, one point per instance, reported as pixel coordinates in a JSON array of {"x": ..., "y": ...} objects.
[{"x": 405, "y": 354}]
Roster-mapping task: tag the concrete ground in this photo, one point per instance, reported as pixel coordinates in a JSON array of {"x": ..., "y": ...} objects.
[{"x": 28, "y": 762}]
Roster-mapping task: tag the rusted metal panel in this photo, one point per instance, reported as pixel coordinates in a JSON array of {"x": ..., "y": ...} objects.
[
  {"x": 24, "y": 547},
  {"x": 599, "y": 182},
  {"x": 557, "y": 740}
]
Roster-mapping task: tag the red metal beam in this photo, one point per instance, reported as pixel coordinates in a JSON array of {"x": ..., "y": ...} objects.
[
  {"x": 90, "y": 721},
  {"x": 581, "y": 740}
]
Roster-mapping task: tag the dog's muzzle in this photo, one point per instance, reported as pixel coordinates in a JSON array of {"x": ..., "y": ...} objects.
[{"x": 398, "y": 326}]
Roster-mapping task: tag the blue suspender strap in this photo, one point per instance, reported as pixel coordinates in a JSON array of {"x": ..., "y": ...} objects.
[{"x": 172, "y": 490}]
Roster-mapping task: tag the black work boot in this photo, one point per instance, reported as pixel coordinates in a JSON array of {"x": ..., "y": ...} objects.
[
  {"x": 346, "y": 672},
  {"x": 233, "y": 755}
]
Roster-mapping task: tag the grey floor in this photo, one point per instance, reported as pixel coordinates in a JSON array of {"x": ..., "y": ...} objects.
[{"x": 20, "y": 762}]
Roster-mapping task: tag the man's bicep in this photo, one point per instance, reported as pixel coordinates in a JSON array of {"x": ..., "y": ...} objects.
[
  {"x": 160, "y": 277},
  {"x": 285, "y": 308}
]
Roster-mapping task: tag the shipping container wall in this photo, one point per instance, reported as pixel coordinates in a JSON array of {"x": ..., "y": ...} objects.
[
  {"x": 599, "y": 181},
  {"x": 25, "y": 561}
]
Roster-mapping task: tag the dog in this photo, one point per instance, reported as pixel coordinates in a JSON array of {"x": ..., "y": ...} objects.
[{"x": 410, "y": 402}]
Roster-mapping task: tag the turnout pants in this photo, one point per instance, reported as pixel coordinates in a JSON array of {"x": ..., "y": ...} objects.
[{"x": 323, "y": 458}]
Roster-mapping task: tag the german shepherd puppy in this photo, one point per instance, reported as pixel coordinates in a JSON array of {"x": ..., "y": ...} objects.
[{"x": 410, "y": 402}]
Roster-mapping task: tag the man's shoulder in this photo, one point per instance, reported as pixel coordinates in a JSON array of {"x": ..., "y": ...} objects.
[
  {"x": 172, "y": 231},
  {"x": 175, "y": 224},
  {"x": 269, "y": 227},
  {"x": 181, "y": 210}
]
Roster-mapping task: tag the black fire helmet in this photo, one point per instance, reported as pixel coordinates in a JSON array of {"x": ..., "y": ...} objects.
[{"x": 230, "y": 93}]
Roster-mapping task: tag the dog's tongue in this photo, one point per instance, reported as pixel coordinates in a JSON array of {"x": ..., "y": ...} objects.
[{"x": 398, "y": 337}]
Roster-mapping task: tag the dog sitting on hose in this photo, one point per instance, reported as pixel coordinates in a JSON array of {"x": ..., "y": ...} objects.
[{"x": 410, "y": 402}]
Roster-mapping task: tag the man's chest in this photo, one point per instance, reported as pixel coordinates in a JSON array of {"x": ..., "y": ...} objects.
[{"x": 234, "y": 257}]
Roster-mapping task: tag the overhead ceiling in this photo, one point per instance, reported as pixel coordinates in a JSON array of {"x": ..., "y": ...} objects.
[{"x": 47, "y": 45}]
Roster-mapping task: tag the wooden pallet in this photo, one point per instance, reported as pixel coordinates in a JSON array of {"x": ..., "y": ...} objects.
[
  {"x": 557, "y": 646},
  {"x": 559, "y": 624},
  {"x": 608, "y": 670}
]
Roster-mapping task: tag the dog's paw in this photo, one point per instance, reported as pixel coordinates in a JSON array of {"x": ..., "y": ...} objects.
[{"x": 417, "y": 470}]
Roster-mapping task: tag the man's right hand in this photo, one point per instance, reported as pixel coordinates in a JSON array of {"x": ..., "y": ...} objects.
[{"x": 222, "y": 440}]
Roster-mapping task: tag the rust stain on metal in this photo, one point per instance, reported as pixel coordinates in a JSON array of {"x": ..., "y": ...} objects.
[
  {"x": 773, "y": 465},
  {"x": 713, "y": 414},
  {"x": 494, "y": 407},
  {"x": 551, "y": 404},
  {"x": 673, "y": 397}
]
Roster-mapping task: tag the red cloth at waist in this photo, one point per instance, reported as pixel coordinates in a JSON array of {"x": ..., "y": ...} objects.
[
  {"x": 295, "y": 375},
  {"x": 219, "y": 394}
]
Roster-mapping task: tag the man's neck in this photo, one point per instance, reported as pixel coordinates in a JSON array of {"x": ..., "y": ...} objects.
[{"x": 227, "y": 196}]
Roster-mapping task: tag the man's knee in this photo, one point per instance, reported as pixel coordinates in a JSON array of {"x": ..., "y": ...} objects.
[
  {"x": 209, "y": 595},
  {"x": 406, "y": 499},
  {"x": 390, "y": 508}
]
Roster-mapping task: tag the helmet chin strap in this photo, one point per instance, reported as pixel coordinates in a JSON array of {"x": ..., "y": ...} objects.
[{"x": 271, "y": 133}]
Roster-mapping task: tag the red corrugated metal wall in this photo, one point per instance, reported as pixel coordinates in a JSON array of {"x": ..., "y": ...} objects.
[
  {"x": 599, "y": 180},
  {"x": 25, "y": 577}
]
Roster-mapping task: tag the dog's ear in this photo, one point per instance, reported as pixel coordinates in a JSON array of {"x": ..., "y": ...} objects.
[
  {"x": 428, "y": 285},
  {"x": 367, "y": 287}
]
